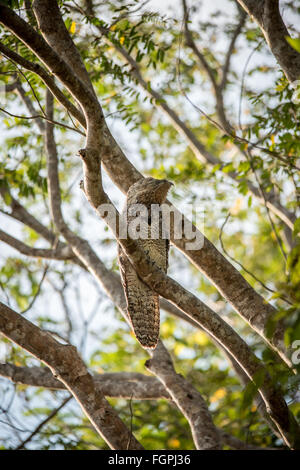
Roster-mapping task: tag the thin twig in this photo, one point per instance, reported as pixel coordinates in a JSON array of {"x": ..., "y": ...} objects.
[
  {"x": 249, "y": 158},
  {"x": 32, "y": 89},
  {"x": 44, "y": 422},
  {"x": 243, "y": 82},
  {"x": 37, "y": 292},
  {"x": 286, "y": 159},
  {"x": 241, "y": 265},
  {"x": 40, "y": 116}
]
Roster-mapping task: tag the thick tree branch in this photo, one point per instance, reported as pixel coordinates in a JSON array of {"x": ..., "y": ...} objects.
[
  {"x": 116, "y": 385},
  {"x": 187, "y": 399},
  {"x": 126, "y": 385},
  {"x": 55, "y": 32},
  {"x": 47, "y": 14},
  {"x": 79, "y": 246},
  {"x": 68, "y": 367},
  {"x": 51, "y": 59},
  {"x": 266, "y": 13},
  {"x": 82, "y": 93}
]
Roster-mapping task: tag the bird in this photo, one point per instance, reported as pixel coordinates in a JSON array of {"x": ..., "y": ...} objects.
[{"x": 142, "y": 302}]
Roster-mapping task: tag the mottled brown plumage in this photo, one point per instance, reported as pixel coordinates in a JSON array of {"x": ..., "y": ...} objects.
[{"x": 142, "y": 302}]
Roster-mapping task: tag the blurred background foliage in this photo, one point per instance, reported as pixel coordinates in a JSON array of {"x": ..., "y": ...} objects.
[{"x": 61, "y": 298}]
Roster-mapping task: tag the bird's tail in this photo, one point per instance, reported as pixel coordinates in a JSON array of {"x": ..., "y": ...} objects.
[
  {"x": 143, "y": 311},
  {"x": 142, "y": 304}
]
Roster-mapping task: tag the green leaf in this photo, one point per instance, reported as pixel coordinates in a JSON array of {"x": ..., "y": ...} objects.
[{"x": 295, "y": 43}]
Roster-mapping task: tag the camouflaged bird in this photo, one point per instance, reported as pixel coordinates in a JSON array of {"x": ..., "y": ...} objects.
[{"x": 143, "y": 302}]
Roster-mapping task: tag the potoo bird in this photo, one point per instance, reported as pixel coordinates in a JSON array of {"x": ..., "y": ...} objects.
[{"x": 143, "y": 302}]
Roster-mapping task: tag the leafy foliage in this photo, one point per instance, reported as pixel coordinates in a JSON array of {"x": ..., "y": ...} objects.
[{"x": 263, "y": 151}]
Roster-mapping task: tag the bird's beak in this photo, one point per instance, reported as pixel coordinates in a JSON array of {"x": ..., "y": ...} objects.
[{"x": 167, "y": 181}]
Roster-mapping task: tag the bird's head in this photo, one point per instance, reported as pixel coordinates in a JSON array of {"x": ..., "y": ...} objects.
[{"x": 148, "y": 190}]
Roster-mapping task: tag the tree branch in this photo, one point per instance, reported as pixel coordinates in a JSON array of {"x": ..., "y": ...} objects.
[
  {"x": 115, "y": 385},
  {"x": 230, "y": 50},
  {"x": 126, "y": 385},
  {"x": 188, "y": 400},
  {"x": 43, "y": 423},
  {"x": 68, "y": 367},
  {"x": 48, "y": 14},
  {"x": 83, "y": 94},
  {"x": 27, "y": 101},
  {"x": 47, "y": 79},
  {"x": 266, "y": 13},
  {"x": 58, "y": 253},
  {"x": 237, "y": 444},
  {"x": 218, "y": 88},
  {"x": 20, "y": 213}
]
